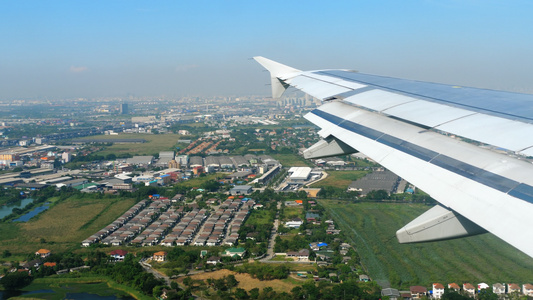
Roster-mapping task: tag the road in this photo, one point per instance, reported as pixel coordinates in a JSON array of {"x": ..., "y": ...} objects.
[
  {"x": 148, "y": 268},
  {"x": 273, "y": 235}
]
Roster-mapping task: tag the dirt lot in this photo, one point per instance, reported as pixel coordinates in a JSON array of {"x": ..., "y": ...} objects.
[{"x": 246, "y": 281}]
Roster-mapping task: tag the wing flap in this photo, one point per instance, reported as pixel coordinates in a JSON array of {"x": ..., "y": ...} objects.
[{"x": 492, "y": 130}]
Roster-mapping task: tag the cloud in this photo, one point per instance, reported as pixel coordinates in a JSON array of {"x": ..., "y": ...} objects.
[{"x": 74, "y": 69}]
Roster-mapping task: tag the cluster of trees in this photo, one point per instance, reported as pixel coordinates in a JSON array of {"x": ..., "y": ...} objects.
[
  {"x": 16, "y": 280},
  {"x": 8, "y": 196},
  {"x": 264, "y": 271},
  {"x": 223, "y": 284},
  {"x": 130, "y": 273},
  {"x": 349, "y": 289},
  {"x": 294, "y": 244},
  {"x": 180, "y": 260},
  {"x": 337, "y": 193}
]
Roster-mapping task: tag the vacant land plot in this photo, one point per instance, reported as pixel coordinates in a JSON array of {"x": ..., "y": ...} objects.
[
  {"x": 371, "y": 227},
  {"x": 63, "y": 226},
  {"x": 246, "y": 281},
  {"x": 340, "y": 179},
  {"x": 291, "y": 160},
  {"x": 155, "y": 143},
  {"x": 197, "y": 181}
]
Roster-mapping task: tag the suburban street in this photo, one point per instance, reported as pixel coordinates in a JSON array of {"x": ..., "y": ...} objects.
[{"x": 274, "y": 234}]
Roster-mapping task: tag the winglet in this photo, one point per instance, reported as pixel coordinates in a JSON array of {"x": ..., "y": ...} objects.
[{"x": 279, "y": 73}]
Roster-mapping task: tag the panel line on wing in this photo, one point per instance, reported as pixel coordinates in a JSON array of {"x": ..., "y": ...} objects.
[
  {"x": 443, "y": 123},
  {"x": 523, "y": 191},
  {"x": 329, "y": 82}
]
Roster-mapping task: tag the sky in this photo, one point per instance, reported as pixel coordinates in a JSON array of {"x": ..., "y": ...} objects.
[{"x": 74, "y": 49}]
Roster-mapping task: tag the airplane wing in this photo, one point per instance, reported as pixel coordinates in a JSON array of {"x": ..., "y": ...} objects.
[{"x": 465, "y": 147}]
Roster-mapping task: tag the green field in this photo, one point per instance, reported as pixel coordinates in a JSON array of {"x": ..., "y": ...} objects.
[
  {"x": 63, "y": 226},
  {"x": 339, "y": 179},
  {"x": 371, "y": 227},
  {"x": 291, "y": 160},
  {"x": 155, "y": 143},
  {"x": 197, "y": 181}
]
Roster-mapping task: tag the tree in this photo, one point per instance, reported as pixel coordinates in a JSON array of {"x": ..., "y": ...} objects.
[
  {"x": 6, "y": 253},
  {"x": 487, "y": 294},
  {"x": 111, "y": 156},
  {"x": 254, "y": 293},
  {"x": 187, "y": 281},
  {"x": 231, "y": 281},
  {"x": 450, "y": 294},
  {"x": 15, "y": 281},
  {"x": 241, "y": 294}
]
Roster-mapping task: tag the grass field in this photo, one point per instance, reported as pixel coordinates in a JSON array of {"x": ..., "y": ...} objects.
[
  {"x": 155, "y": 143},
  {"x": 371, "y": 227},
  {"x": 339, "y": 179},
  {"x": 291, "y": 160},
  {"x": 63, "y": 226},
  {"x": 197, "y": 181}
]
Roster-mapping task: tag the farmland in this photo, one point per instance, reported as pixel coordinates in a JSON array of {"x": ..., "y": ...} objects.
[
  {"x": 371, "y": 227},
  {"x": 154, "y": 144},
  {"x": 63, "y": 226}
]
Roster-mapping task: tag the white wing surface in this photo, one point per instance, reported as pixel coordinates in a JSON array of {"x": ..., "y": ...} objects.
[{"x": 419, "y": 131}]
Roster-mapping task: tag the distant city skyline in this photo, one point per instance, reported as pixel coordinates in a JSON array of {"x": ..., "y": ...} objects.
[{"x": 58, "y": 49}]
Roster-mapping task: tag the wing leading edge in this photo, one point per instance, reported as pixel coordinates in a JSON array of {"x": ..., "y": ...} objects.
[{"x": 399, "y": 124}]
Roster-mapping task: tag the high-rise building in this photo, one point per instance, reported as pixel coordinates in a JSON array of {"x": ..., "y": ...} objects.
[{"x": 124, "y": 108}]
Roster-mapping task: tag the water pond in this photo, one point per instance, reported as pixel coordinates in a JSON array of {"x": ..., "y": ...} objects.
[
  {"x": 7, "y": 209},
  {"x": 33, "y": 213}
]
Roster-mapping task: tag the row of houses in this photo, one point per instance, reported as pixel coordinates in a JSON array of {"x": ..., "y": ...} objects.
[
  {"x": 419, "y": 292},
  {"x": 165, "y": 218},
  {"x": 139, "y": 223},
  {"x": 223, "y": 226},
  {"x": 183, "y": 233},
  {"x": 119, "y": 222}
]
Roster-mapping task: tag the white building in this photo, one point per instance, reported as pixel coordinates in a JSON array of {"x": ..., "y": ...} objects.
[
  {"x": 66, "y": 157},
  {"x": 438, "y": 290},
  {"x": 299, "y": 174},
  {"x": 294, "y": 223},
  {"x": 527, "y": 289},
  {"x": 498, "y": 289}
]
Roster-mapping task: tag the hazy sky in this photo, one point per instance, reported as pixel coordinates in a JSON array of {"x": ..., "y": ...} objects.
[{"x": 63, "y": 49}]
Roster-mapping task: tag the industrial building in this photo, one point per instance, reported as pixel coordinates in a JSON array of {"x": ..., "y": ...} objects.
[
  {"x": 379, "y": 180},
  {"x": 299, "y": 174}
]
